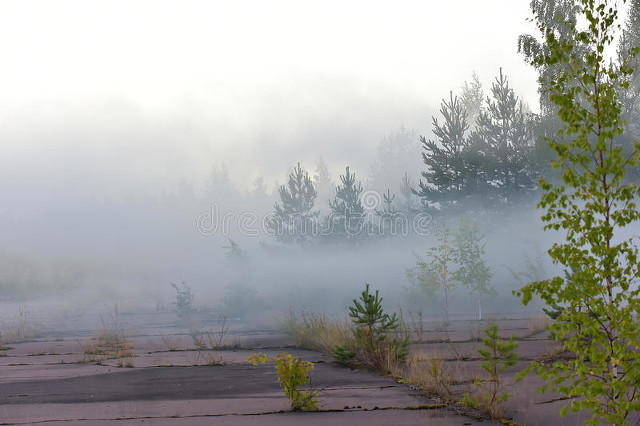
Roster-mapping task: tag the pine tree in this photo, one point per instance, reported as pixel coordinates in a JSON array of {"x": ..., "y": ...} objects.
[
  {"x": 503, "y": 130},
  {"x": 347, "y": 212},
  {"x": 444, "y": 177},
  {"x": 293, "y": 219}
]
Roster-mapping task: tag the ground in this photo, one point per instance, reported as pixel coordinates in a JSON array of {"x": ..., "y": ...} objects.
[{"x": 161, "y": 375}]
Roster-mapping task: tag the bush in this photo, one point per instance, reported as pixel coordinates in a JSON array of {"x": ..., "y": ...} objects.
[
  {"x": 184, "y": 299},
  {"x": 293, "y": 373}
]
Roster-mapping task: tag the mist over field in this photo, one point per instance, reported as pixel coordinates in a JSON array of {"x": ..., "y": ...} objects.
[
  {"x": 138, "y": 142},
  {"x": 382, "y": 213}
]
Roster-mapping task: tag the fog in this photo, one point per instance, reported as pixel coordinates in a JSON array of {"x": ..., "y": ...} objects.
[{"x": 137, "y": 141}]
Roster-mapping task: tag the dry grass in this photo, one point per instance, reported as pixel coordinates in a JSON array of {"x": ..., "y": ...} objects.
[
  {"x": 319, "y": 332},
  {"x": 537, "y": 324},
  {"x": 488, "y": 407},
  {"x": 19, "y": 330},
  {"x": 110, "y": 342},
  {"x": 417, "y": 330},
  {"x": 556, "y": 352},
  {"x": 173, "y": 344},
  {"x": 105, "y": 346},
  {"x": 214, "y": 339},
  {"x": 429, "y": 374},
  {"x": 439, "y": 379},
  {"x": 387, "y": 358},
  {"x": 204, "y": 357},
  {"x": 475, "y": 331}
]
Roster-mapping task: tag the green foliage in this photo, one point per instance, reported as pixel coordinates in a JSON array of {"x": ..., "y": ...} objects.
[
  {"x": 489, "y": 167},
  {"x": 497, "y": 355},
  {"x": 553, "y": 311},
  {"x": 468, "y": 401},
  {"x": 184, "y": 299},
  {"x": 378, "y": 337},
  {"x": 343, "y": 354},
  {"x": 504, "y": 135},
  {"x": 293, "y": 373},
  {"x": 368, "y": 316},
  {"x": 592, "y": 207},
  {"x": 446, "y": 172}
]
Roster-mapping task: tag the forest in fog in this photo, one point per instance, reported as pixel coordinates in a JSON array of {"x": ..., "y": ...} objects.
[{"x": 308, "y": 234}]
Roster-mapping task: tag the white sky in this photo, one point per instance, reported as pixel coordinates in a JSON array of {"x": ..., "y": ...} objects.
[{"x": 161, "y": 90}]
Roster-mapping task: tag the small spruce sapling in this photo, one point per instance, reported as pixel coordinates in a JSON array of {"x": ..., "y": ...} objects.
[
  {"x": 375, "y": 333},
  {"x": 497, "y": 355}
]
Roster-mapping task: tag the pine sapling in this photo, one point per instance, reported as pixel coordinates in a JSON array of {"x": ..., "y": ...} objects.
[{"x": 497, "y": 355}]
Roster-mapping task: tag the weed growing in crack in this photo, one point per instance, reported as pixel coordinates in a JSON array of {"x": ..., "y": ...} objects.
[
  {"x": 216, "y": 339},
  {"x": 20, "y": 330},
  {"x": 293, "y": 373},
  {"x": 110, "y": 342}
]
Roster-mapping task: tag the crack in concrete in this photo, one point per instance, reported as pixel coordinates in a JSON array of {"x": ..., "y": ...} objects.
[
  {"x": 551, "y": 401},
  {"x": 259, "y": 413}
]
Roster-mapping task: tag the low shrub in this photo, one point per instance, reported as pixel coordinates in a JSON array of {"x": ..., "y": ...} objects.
[{"x": 293, "y": 373}]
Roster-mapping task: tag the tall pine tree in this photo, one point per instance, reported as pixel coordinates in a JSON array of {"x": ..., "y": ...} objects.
[
  {"x": 503, "y": 129},
  {"x": 444, "y": 177}
]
